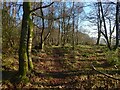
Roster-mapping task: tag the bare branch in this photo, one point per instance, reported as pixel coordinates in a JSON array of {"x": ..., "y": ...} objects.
[
  {"x": 41, "y": 7},
  {"x": 48, "y": 34},
  {"x": 49, "y": 18},
  {"x": 103, "y": 33}
]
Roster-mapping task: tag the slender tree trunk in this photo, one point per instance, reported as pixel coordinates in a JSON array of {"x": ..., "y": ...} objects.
[
  {"x": 73, "y": 29},
  {"x": 110, "y": 36},
  {"x": 117, "y": 22},
  {"x": 99, "y": 32},
  {"x": 67, "y": 30},
  {"x": 41, "y": 45},
  {"x": 58, "y": 34},
  {"x": 77, "y": 33},
  {"x": 99, "y": 24},
  {"x": 105, "y": 28},
  {"x": 63, "y": 33},
  {"x": 29, "y": 46},
  {"x": 111, "y": 31},
  {"x": 63, "y": 26}
]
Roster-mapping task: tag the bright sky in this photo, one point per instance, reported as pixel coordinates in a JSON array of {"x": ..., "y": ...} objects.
[
  {"x": 60, "y": 0},
  {"x": 86, "y": 25}
]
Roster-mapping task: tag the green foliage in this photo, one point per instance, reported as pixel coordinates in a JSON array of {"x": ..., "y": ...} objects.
[
  {"x": 112, "y": 57},
  {"x": 10, "y": 34},
  {"x": 9, "y": 63}
]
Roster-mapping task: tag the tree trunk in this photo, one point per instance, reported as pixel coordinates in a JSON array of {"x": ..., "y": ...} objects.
[
  {"x": 41, "y": 45},
  {"x": 117, "y": 23},
  {"x": 63, "y": 26},
  {"x": 73, "y": 29},
  {"x": 29, "y": 46},
  {"x": 77, "y": 33},
  {"x": 105, "y": 28},
  {"x": 23, "y": 58},
  {"x": 58, "y": 42},
  {"x": 99, "y": 24}
]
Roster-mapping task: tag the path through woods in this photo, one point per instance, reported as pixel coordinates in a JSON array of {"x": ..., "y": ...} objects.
[{"x": 59, "y": 67}]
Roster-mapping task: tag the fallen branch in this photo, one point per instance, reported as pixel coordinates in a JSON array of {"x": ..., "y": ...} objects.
[{"x": 107, "y": 75}]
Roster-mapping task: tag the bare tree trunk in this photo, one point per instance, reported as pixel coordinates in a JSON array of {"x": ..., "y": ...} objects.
[
  {"x": 73, "y": 28},
  {"x": 105, "y": 28},
  {"x": 63, "y": 26},
  {"x": 41, "y": 44},
  {"x": 23, "y": 58},
  {"x": 67, "y": 30},
  {"x": 58, "y": 34},
  {"x": 77, "y": 32},
  {"x": 29, "y": 44},
  {"x": 99, "y": 25},
  {"x": 111, "y": 31},
  {"x": 117, "y": 23}
]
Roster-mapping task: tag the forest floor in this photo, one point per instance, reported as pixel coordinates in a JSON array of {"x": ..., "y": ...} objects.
[{"x": 61, "y": 67}]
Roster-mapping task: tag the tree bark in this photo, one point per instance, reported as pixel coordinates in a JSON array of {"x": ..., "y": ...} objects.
[
  {"x": 29, "y": 46},
  {"x": 41, "y": 44},
  {"x": 105, "y": 28},
  {"x": 99, "y": 25},
  {"x": 117, "y": 23},
  {"x": 58, "y": 42},
  {"x": 73, "y": 17},
  {"x": 23, "y": 58},
  {"x": 63, "y": 25}
]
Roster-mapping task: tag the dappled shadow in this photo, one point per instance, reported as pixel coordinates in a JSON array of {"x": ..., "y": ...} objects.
[
  {"x": 62, "y": 84},
  {"x": 69, "y": 79},
  {"x": 64, "y": 74},
  {"x": 58, "y": 52},
  {"x": 8, "y": 75},
  {"x": 61, "y": 51},
  {"x": 60, "y": 69},
  {"x": 63, "y": 56}
]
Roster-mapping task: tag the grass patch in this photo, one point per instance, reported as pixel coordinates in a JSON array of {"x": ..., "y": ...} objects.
[
  {"x": 62, "y": 66},
  {"x": 112, "y": 58}
]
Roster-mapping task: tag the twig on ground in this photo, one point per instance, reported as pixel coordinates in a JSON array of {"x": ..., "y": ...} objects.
[{"x": 107, "y": 75}]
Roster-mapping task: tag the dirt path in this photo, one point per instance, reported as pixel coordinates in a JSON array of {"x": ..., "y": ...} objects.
[{"x": 60, "y": 68}]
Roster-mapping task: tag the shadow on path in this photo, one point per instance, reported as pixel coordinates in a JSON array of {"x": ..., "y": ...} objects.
[{"x": 7, "y": 75}]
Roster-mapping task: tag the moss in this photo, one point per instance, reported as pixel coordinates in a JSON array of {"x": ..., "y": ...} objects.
[
  {"x": 23, "y": 55},
  {"x": 19, "y": 79},
  {"x": 30, "y": 64},
  {"x": 29, "y": 44}
]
